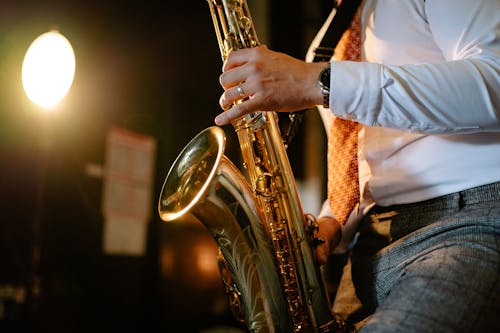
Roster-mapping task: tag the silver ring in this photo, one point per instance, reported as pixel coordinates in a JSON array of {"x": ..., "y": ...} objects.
[{"x": 240, "y": 91}]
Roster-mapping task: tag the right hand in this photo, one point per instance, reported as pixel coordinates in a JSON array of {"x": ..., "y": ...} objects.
[{"x": 272, "y": 81}]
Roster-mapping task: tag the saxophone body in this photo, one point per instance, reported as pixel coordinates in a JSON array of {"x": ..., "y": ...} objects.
[{"x": 266, "y": 257}]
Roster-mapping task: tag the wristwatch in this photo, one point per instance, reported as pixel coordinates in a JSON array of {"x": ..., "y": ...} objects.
[{"x": 324, "y": 84}]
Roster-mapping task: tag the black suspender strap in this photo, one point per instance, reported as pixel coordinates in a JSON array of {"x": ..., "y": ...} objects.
[
  {"x": 340, "y": 22},
  {"x": 324, "y": 52}
]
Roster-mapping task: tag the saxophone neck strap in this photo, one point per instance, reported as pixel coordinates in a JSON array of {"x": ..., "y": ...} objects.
[{"x": 339, "y": 24}]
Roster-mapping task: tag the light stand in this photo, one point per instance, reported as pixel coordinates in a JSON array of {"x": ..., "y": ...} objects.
[{"x": 47, "y": 75}]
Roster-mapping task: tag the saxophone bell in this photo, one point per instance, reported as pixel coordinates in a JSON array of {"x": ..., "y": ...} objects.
[{"x": 205, "y": 183}]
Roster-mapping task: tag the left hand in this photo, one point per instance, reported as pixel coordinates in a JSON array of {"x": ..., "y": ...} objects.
[
  {"x": 330, "y": 232},
  {"x": 272, "y": 81}
]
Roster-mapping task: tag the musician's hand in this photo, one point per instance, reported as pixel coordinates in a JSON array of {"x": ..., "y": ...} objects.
[
  {"x": 270, "y": 81},
  {"x": 330, "y": 232}
]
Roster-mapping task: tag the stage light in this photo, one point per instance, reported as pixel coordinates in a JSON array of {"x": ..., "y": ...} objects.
[{"x": 48, "y": 69}]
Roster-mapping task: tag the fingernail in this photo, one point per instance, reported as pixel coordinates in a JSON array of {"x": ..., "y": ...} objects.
[{"x": 218, "y": 120}]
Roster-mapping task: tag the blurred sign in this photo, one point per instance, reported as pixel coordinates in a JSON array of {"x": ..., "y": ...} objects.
[{"x": 128, "y": 187}]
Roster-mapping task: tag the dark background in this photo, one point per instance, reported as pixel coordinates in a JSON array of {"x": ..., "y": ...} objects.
[{"x": 150, "y": 67}]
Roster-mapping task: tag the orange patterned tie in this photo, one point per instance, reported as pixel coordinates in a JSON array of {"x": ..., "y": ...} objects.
[{"x": 343, "y": 183}]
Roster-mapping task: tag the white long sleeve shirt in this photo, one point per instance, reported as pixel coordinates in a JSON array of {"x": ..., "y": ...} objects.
[{"x": 428, "y": 96}]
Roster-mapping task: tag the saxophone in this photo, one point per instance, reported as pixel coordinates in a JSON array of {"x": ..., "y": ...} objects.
[{"x": 266, "y": 245}]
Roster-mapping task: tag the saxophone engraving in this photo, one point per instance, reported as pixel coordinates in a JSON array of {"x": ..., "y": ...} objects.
[{"x": 266, "y": 257}]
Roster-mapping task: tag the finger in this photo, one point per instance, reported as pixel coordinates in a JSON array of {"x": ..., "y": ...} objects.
[
  {"x": 233, "y": 94},
  {"x": 322, "y": 252},
  {"x": 229, "y": 116},
  {"x": 234, "y": 59},
  {"x": 239, "y": 57},
  {"x": 236, "y": 111},
  {"x": 329, "y": 230},
  {"x": 225, "y": 101},
  {"x": 232, "y": 77}
]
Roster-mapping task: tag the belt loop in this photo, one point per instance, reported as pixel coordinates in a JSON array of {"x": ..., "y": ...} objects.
[
  {"x": 461, "y": 201},
  {"x": 376, "y": 218}
]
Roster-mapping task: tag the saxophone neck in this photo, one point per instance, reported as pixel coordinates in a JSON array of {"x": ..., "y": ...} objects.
[{"x": 233, "y": 25}]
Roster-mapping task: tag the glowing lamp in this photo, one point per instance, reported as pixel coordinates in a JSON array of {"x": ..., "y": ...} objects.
[{"x": 48, "y": 69}]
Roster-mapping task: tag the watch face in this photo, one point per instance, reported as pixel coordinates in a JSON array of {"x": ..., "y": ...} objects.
[{"x": 324, "y": 77}]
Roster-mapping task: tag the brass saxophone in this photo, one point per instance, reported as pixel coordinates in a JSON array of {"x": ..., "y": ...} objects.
[{"x": 266, "y": 254}]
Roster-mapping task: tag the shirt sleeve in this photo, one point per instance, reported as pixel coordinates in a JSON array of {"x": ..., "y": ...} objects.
[{"x": 459, "y": 94}]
